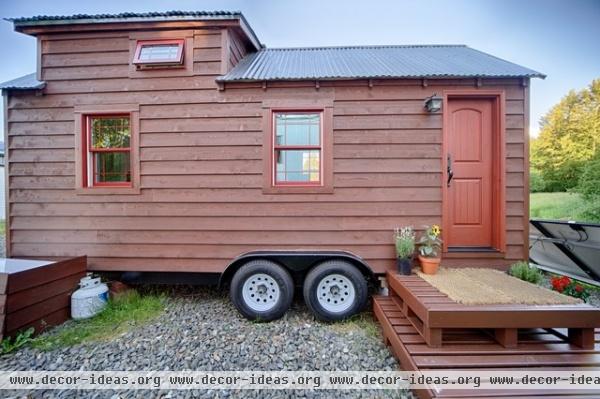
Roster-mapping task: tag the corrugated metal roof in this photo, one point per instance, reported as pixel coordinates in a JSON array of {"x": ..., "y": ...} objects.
[
  {"x": 27, "y": 82},
  {"x": 21, "y": 23},
  {"x": 418, "y": 61},
  {"x": 125, "y": 15}
]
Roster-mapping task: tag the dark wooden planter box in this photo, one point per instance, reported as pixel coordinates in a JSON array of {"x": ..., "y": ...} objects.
[{"x": 37, "y": 293}]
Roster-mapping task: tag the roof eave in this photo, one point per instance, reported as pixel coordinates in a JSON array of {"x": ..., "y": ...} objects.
[
  {"x": 249, "y": 32},
  {"x": 224, "y": 79},
  {"x": 32, "y": 88},
  {"x": 23, "y": 83}
]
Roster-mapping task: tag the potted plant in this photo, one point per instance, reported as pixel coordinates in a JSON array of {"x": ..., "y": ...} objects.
[
  {"x": 404, "y": 238},
  {"x": 430, "y": 246}
]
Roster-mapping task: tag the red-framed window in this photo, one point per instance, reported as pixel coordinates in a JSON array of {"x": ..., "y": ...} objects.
[
  {"x": 159, "y": 52},
  {"x": 297, "y": 148},
  {"x": 107, "y": 150}
]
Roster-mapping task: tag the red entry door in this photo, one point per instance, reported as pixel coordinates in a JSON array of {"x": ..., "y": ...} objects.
[{"x": 469, "y": 191}]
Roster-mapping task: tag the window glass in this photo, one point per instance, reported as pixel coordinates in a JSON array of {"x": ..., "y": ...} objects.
[
  {"x": 153, "y": 52},
  {"x": 112, "y": 167},
  {"x": 298, "y": 129},
  {"x": 298, "y": 165},
  {"x": 110, "y": 132}
]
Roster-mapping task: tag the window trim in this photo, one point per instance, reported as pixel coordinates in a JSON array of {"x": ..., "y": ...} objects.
[
  {"x": 156, "y": 71},
  {"x": 81, "y": 111},
  {"x": 159, "y": 62},
  {"x": 321, "y": 102},
  {"x": 88, "y": 152},
  {"x": 275, "y": 147}
]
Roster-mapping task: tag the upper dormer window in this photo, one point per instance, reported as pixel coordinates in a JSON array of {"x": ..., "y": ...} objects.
[{"x": 158, "y": 53}]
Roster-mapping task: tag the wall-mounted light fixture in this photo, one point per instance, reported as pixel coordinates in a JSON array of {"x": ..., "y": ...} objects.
[{"x": 433, "y": 103}]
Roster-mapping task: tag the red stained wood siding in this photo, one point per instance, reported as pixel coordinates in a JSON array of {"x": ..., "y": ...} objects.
[{"x": 201, "y": 201}]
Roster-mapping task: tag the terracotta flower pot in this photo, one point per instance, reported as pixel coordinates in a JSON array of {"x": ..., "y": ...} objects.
[{"x": 429, "y": 265}]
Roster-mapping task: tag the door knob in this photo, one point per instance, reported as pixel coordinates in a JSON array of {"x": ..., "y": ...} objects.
[{"x": 449, "y": 170}]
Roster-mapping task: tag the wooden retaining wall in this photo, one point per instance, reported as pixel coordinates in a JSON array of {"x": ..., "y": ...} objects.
[{"x": 38, "y": 297}]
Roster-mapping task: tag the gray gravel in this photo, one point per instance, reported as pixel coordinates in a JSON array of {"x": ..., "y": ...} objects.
[{"x": 200, "y": 330}]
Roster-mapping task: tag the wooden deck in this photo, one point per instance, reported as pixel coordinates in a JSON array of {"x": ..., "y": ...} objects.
[
  {"x": 431, "y": 311},
  {"x": 465, "y": 337}
]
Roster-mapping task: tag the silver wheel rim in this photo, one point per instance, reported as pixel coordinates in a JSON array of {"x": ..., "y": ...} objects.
[
  {"x": 336, "y": 293},
  {"x": 261, "y": 292}
]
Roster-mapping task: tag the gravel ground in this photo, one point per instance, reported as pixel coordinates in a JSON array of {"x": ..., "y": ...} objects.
[{"x": 200, "y": 330}]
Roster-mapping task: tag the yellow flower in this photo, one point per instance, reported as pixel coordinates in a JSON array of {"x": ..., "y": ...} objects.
[{"x": 435, "y": 229}]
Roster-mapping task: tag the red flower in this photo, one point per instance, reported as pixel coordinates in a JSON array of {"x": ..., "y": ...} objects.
[
  {"x": 555, "y": 283},
  {"x": 560, "y": 283},
  {"x": 579, "y": 288}
]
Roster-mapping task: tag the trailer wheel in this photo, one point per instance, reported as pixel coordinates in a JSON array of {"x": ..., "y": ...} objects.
[
  {"x": 335, "y": 290},
  {"x": 262, "y": 290}
]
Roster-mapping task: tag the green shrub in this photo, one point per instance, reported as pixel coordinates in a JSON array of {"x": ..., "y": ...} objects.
[
  {"x": 589, "y": 181},
  {"x": 559, "y": 180},
  {"x": 558, "y": 184},
  {"x": 523, "y": 271},
  {"x": 591, "y": 211},
  {"x": 589, "y": 188},
  {"x": 537, "y": 184}
]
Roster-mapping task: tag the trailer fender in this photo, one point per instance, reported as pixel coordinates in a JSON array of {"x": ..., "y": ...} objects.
[{"x": 298, "y": 263}]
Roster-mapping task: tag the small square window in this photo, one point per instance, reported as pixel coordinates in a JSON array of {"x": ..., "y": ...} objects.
[{"x": 153, "y": 53}]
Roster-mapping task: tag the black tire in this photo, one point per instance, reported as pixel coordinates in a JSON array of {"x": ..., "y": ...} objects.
[
  {"x": 331, "y": 267},
  {"x": 279, "y": 274}
]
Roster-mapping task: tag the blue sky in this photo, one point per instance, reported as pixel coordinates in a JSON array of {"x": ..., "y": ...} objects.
[{"x": 558, "y": 38}]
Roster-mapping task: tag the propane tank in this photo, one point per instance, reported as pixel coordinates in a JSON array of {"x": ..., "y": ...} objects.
[{"x": 89, "y": 299}]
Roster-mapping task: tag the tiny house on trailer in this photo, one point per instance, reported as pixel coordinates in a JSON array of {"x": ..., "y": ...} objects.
[{"x": 177, "y": 142}]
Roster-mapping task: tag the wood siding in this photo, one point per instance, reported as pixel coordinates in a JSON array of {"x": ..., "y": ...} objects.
[
  {"x": 236, "y": 49},
  {"x": 201, "y": 202}
]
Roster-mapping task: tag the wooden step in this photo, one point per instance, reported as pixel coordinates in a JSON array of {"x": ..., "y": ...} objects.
[{"x": 537, "y": 349}]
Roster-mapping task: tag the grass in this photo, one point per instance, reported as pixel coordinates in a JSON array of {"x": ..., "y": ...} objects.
[
  {"x": 564, "y": 206},
  {"x": 21, "y": 339},
  {"x": 128, "y": 311},
  {"x": 359, "y": 322}
]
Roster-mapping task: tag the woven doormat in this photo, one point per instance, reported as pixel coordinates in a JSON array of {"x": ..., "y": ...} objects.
[{"x": 474, "y": 286}]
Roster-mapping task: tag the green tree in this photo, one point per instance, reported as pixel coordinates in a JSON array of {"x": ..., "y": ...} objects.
[
  {"x": 589, "y": 188},
  {"x": 569, "y": 137},
  {"x": 589, "y": 182}
]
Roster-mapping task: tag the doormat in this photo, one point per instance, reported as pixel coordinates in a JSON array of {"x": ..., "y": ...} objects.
[{"x": 477, "y": 286}]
